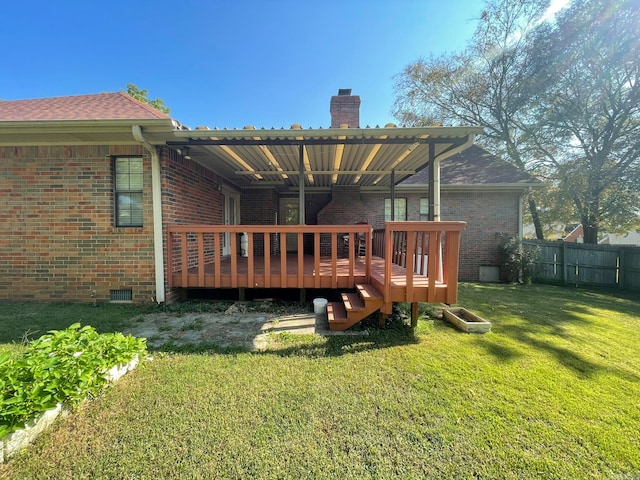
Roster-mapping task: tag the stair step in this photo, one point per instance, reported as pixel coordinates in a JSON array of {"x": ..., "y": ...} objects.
[
  {"x": 368, "y": 291},
  {"x": 336, "y": 312},
  {"x": 352, "y": 301}
]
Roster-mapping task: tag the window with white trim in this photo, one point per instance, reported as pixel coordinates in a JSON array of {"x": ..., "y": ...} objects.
[
  {"x": 400, "y": 213},
  {"x": 128, "y": 182},
  {"x": 424, "y": 209}
]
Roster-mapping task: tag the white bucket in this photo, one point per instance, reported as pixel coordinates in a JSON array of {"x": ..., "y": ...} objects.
[
  {"x": 244, "y": 245},
  {"x": 319, "y": 305}
]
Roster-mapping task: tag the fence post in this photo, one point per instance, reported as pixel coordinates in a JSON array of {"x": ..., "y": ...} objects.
[
  {"x": 621, "y": 266},
  {"x": 564, "y": 263}
]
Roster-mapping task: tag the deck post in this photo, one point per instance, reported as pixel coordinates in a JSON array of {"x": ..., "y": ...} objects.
[
  {"x": 414, "y": 314},
  {"x": 434, "y": 197},
  {"x": 302, "y": 219}
]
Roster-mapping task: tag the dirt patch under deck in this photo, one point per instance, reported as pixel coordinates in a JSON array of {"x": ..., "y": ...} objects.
[{"x": 235, "y": 327}]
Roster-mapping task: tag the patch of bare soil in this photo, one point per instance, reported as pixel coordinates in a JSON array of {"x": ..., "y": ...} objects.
[{"x": 234, "y": 327}]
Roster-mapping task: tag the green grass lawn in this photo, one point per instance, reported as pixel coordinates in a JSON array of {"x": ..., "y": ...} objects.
[{"x": 552, "y": 392}]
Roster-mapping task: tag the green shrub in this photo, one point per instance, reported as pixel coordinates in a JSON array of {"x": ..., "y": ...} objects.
[
  {"x": 518, "y": 264},
  {"x": 62, "y": 366}
]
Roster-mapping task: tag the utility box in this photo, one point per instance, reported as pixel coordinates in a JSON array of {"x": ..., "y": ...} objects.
[{"x": 489, "y": 273}]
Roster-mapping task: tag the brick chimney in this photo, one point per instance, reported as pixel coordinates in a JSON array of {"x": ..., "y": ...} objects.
[{"x": 345, "y": 108}]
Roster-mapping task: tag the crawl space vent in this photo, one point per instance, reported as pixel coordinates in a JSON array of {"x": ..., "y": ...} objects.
[{"x": 121, "y": 296}]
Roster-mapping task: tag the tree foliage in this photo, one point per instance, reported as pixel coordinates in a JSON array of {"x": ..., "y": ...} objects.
[
  {"x": 489, "y": 84},
  {"x": 556, "y": 95},
  {"x": 591, "y": 108},
  {"x": 143, "y": 96}
]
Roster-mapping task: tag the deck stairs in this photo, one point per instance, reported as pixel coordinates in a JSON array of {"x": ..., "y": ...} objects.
[{"x": 354, "y": 307}]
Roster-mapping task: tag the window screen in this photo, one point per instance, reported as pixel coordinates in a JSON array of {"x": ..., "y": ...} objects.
[
  {"x": 424, "y": 209},
  {"x": 400, "y": 213},
  {"x": 128, "y": 191}
]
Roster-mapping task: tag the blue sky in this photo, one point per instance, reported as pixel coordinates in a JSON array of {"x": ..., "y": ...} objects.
[{"x": 224, "y": 63}]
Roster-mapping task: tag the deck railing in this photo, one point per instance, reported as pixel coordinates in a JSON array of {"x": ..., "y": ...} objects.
[
  {"x": 195, "y": 256},
  {"x": 406, "y": 262},
  {"x": 418, "y": 248}
]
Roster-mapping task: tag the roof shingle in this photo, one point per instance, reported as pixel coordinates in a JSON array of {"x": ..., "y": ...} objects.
[
  {"x": 101, "y": 106},
  {"x": 473, "y": 166}
]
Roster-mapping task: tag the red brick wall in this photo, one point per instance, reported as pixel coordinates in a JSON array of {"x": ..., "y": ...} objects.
[
  {"x": 345, "y": 208},
  {"x": 191, "y": 194},
  {"x": 259, "y": 207},
  {"x": 488, "y": 215},
  {"x": 57, "y": 234}
]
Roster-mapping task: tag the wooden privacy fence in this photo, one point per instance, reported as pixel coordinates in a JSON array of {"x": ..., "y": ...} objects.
[{"x": 575, "y": 263}]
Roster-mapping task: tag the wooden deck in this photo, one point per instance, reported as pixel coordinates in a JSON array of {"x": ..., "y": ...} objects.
[
  {"x": 407, "y": 262},
  {"x": 343, "y": 277}
]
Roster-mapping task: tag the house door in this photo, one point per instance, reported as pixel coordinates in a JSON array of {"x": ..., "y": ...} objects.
[
  {"x": 289, "y": 215},
  {"x": 230, "y": 213}
]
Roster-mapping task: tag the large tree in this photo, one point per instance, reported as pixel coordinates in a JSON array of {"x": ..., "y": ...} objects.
[
  {"x": 591, "y": 109},
  {"x": 489, "y": 84},
  {"x": 557, "y": 96}
]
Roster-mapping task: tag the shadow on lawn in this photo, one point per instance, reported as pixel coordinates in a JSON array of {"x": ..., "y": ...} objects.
[
  {"x": 546, "y": 318},
  {"x": 337, "y": 345}
]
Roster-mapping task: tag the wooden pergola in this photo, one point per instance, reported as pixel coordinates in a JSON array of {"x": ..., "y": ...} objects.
[{"x": 372, "y": 158}]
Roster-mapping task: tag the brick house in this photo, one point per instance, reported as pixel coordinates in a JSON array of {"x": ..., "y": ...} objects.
[{"x": 97, "y": 190}]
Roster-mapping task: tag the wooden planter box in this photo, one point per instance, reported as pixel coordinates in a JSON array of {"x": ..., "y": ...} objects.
[{"x": 466, "y": 321}]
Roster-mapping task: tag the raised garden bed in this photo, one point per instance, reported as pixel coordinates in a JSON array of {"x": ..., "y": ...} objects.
[
  {"x": 464, "y": 320},
  {"x": 15, "y": 441}
]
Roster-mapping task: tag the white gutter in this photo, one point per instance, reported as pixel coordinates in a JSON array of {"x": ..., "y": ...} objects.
[
  {"x": 436, "y": 170},
  {"x": 156, "y": 197},
  {"x": 347, "y": 133},
  {"x": 521, "y": 216}
]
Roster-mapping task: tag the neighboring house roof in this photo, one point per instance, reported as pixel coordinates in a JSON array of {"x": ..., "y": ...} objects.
[
  {"x": 102, "y": 106},
  {"x": 630, "y": 238},
  {"x": 474, "y": 167},
  {"x": 576, "y": 235}
]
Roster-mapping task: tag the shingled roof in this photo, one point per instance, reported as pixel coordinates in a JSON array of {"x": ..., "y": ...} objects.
[
  {"x": 101, "y": 106},
  {"x": 474, "y": 166}
]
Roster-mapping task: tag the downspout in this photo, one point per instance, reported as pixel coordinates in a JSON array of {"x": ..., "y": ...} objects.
[
  {"x": 435, "y": 181},
  {"x": 156, "y": 197},
  {"x": 520, "y": 216},
  {"x": 393, "y": 195}
]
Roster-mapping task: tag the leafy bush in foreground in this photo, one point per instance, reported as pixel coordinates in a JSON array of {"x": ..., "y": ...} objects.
[
  {"x": 518, "y": 263},
  {"x": 63, "y": 366}
]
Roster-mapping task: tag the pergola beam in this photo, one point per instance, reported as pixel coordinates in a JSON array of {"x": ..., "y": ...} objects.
[
  {"x": 324, "y": 172},
  {"x": 454, "y": 141}
]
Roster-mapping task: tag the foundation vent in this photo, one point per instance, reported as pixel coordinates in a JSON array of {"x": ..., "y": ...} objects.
[{"x": 121, "y": 296}]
